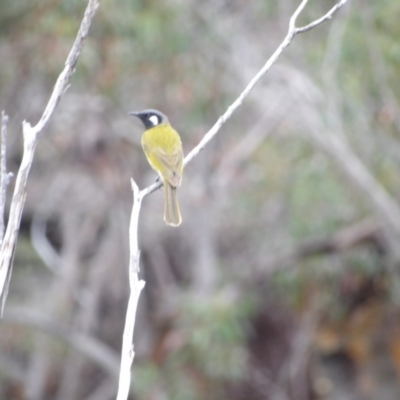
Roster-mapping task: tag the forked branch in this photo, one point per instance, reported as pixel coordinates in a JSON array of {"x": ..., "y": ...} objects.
[
  {"x": 292, "y": 32},
  {"x": 31, "y": 136},
  {"x": 137, "y": 285}
]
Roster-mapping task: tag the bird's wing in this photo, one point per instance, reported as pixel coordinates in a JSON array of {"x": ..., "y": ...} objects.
[{"x": 172, "y": 164}]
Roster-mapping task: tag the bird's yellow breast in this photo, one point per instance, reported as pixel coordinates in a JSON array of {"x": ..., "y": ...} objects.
[
  {"x": 163, "y": 148},
  {"x": 163, "y": 136}
]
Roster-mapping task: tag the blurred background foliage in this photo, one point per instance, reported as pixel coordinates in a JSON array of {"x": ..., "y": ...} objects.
[{"x": 282, "y": 282}]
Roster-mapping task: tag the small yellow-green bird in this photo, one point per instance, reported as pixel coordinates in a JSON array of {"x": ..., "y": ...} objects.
[{"x": 163, "y": 148}]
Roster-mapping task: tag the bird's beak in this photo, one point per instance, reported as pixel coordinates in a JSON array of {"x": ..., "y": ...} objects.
[{"x": 134, "y": 113}]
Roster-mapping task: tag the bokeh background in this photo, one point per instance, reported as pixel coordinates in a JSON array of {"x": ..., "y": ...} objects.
[{"x": 282, "y": 282}]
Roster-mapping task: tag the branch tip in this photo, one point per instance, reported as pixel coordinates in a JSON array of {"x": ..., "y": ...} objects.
[{"x": 135, "y": 187}]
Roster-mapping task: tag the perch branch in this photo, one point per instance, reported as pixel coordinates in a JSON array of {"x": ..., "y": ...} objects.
[
  {"x": 137, "y": 285},
  {"x": 31, "y": 135},
  {"x": 292, "y": 32}
]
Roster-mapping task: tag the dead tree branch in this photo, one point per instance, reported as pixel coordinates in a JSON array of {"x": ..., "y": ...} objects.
[
  {"x": 137, "y": 285},
  {"x": 31, "y": 135},
  {"x": 292, "y": 32}
]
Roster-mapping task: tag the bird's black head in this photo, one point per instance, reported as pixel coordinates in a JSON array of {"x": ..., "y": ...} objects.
[{"x": 150, "y": 117}]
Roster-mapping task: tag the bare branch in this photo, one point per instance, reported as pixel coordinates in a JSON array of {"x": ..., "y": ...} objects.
[
  {"x": 62, "y": 83},
  {"x": 5, "y": 177},
  {"x": 293, "y": 18},
  {"x": 292, "y": 32},
  {"x": 136, "y": 287},
  {"x": 324, "y": 18},
  {"x": 31, "y": 135}
]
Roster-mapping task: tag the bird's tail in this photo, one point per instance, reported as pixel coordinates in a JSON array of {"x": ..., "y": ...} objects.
[{"x": 172, "y": 215}]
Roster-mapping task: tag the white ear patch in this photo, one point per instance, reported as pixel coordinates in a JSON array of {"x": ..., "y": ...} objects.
[{"x": 154, "y": 120}]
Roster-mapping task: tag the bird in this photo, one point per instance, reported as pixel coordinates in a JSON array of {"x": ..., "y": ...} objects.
[{"x": 162, "y": 146}]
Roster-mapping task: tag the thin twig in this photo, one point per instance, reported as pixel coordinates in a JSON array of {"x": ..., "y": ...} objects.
[
  {"x": 324, "y": 18},
  {"x": 5, "y": 176},
  {"x": 292, "y": 31},
  {"x": 31, "y": 135}
]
